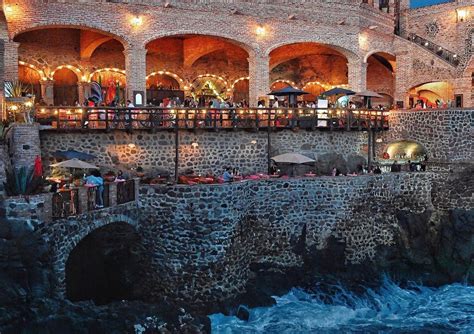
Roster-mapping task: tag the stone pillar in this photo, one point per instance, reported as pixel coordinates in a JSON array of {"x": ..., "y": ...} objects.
[
  {"x": 24, "y": 145},
  {"x": 357, "y": 75},
  {"x": 259, "y": 73},
  {"x": 81, "y": 91},
  {"x": 137, "y": 188},
  {"x": 402, "y": 75},
  {"x": 47, "y": 91},
  {"x": 463, "y": 85},
  {"x": 82, "y": 199},
  {"x": 11, "y": 61},
  {"x": 112, "y": 194},
  {"x": 135, "y": 68}
]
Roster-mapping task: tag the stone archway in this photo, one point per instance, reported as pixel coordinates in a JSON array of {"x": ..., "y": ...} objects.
[{"x": 107, "y": 265}]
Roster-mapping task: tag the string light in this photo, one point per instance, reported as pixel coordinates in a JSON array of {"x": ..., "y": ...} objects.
[{"x": 136, "y": 21}]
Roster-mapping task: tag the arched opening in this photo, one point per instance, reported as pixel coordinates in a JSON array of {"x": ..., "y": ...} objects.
[
  {"x": 160, "y": 85},
  {"x": 314, "y": 89},
  {"x": 55, "y": 50},
  {"x": 381, "y": 69},
  {"x": 113, "y": 82},
  {"x": 403, "y": 150},
  {"x": 31, "y": 79},
  {"x": 65, "y": 87},
  {"x": 437, "y": 94},
  {"x": 309, "y": 62},
  {"x": 107, "y": 265},
  {"x": 206, "y": 58},
  {"x": 241, "y": 90}
]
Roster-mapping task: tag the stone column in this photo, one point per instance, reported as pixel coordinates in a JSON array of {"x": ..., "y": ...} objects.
[
  {"x": 463, "y": 85},
  {"x": 135, "y": 67},
  {"x": 11, "y": 61},
  {"x": 402, "y": 75},
  {"x": 259, "y": 73},
  {"x": 24, "y": 145},
  {"x": 81, "y": 91},
  {"x": 47, "y": 91},
  {"x": 357, "y": 75},
  {"x": 112, "y": 194}
]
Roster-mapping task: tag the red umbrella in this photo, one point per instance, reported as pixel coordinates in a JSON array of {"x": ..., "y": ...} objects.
[{"x": 38, "y": 168}]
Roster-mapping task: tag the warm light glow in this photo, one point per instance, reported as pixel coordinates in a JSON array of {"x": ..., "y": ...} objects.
[
  {"x": 136, "y": 21},
  {"x": 8, "y": 9},
  {"x": 194, "y": 144},
  {"x": 260, "y": 31},
  {"x": 253, "y": 142},
  {"x": 14, "y": 108},
  {"x": 28, "y": 104},
  {"x": 462, "y": 14},
  {"x": 131, "y": 145}
]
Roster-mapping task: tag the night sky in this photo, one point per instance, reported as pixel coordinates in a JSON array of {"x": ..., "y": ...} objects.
[{"x": 421, "y": 3}]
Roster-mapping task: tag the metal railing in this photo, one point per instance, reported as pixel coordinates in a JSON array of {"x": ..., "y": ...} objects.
[
  {"x": 65, "y": 203},
  {"x": 446, "y": 55},
  {"x": 125, "y": 191},
  {"x": 155, "y": 119}
]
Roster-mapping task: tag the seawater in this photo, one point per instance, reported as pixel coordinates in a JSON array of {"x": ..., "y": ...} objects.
[{"x": 387, "y": 309}]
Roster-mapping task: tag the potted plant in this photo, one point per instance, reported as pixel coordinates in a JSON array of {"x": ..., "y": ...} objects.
[
  {"x": 140, "y": 172},
  {"x": 109, "y": 176}
]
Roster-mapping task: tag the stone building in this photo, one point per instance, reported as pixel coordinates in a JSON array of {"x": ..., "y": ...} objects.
[{"x": 240, "y": 49}]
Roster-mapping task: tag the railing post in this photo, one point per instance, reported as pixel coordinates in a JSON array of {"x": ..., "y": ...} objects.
[
  {"x": 83, "y": 199},
  {"x": 136, "y": 188},
  {"x": 107, "y": 120},
  {"x": 112, "y": 194}
]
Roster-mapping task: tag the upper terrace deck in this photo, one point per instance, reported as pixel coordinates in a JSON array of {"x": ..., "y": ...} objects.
[{"x": 154, "y": 119}]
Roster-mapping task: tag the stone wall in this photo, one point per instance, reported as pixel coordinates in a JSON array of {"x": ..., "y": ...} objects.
[
  {"x": 244, "y": 150},
  {"x": 445, "y": 134},
  {"x": 23, "y": 142},
  {"x": 204, "y": 237}
]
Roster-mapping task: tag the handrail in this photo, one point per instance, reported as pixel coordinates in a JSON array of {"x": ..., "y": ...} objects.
[
  {"x": 153, "y": 118},
  {"x": 442, "y": 53}
]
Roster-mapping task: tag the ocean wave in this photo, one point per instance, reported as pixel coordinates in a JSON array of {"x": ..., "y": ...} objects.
[{"x": 387, "y": 309}]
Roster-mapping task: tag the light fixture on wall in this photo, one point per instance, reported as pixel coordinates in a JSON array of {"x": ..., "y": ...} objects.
[
  {"x": 461, "y": 14},
  {"x": 253, "y": 142},
  {"x": 136, "y": 21},
  {"x": 8, "y": 9},
  {"x": 131, "y": 145},
  {"x": 260, "y": 30},
  {"x": 194, "y": 144}
]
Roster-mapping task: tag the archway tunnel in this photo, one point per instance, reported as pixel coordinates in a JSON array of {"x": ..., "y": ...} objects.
[{"x": 107, "y": 265}]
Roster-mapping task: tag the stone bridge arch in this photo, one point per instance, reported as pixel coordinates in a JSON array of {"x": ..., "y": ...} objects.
[{"x": 67, "y": 234}]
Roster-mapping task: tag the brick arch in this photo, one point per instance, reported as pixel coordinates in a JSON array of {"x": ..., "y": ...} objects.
[
  {"x": 34, "y": 68},
  {"x": 370, "y": 53},
  {"x": 64, "y": 243},
  {"x": 251, "y": 48},
  {"x": 89, "y": 26},
  {"x": 77, "y": 71},
  {"x": 3, "y": 27},
  {"x": 351, "y": 55}
]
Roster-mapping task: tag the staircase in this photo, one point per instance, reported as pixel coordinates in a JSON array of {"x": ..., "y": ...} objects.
[{"x": 442, "y": 53}]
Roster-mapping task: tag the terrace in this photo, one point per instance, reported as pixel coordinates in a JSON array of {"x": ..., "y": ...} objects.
[{"x": 70, "y": 119}]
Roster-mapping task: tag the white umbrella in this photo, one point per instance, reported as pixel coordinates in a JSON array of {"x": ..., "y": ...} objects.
[
  {"x": 292, "y": 158},
  {"x": 75, "y": 163}
]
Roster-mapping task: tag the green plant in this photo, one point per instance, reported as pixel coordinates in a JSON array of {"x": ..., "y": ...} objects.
[
  {"x": 16, "y": 89},
  {"x": 23, "y": 182}
]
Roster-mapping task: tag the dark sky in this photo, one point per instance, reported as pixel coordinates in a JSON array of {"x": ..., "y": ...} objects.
[{"x": 421, "y": 3}]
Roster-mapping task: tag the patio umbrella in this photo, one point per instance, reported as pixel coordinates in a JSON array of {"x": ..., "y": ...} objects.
[
  {"x": 338, "y": 91},
  {"x": 368, "y": 94},
  {"x": 292, "y": 158},
  {"x": 75, "y": 163},
  {"x": 291, "y": 92},
  {"x": 73, "y": 154}
]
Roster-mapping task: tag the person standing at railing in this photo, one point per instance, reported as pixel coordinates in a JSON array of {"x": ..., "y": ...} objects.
[{"x": 96, "y": 179}]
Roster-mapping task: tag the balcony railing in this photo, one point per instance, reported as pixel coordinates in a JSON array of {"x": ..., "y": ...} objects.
[
  {"x": 155, "y": 119},
  {"x": 435, "y": 49},
  {"x": 74, "y": 201}
]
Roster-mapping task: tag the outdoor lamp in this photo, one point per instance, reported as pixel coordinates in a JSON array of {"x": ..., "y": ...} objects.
[
  {"x": 461, "y": 14},
  {"x": 136, "y": 21},
  {"x": 260, "y": 30},
  {"x": 194, "y": 144}
]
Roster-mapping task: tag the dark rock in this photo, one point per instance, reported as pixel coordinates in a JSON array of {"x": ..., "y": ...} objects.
[{"x": 243, "y": 313}]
